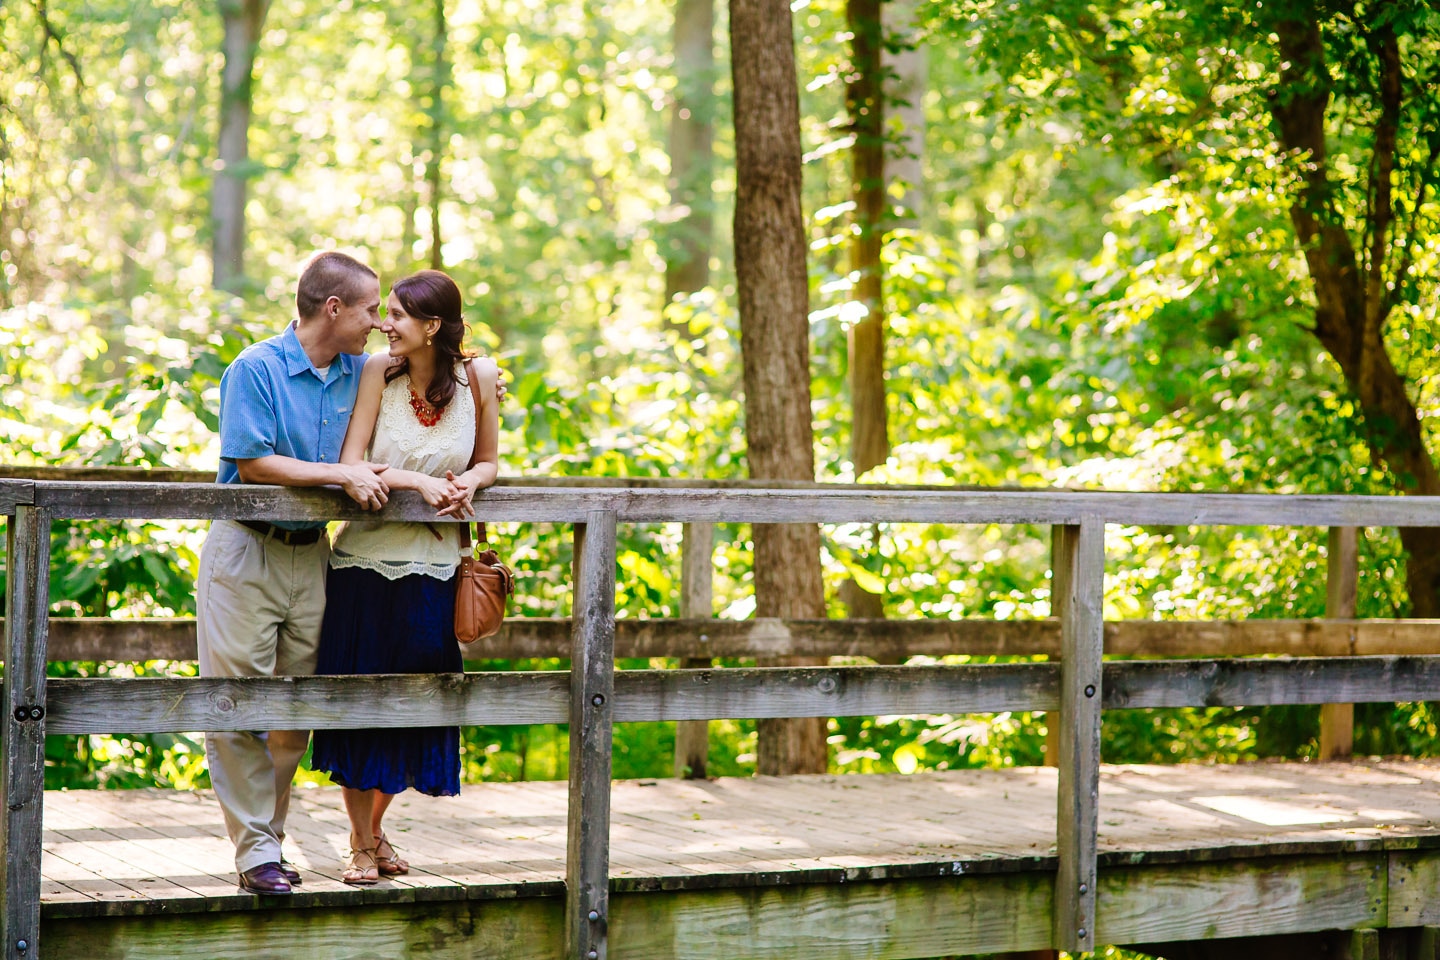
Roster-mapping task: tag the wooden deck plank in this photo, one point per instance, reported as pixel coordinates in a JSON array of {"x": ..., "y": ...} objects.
[
  {"x": 150, "y": 851},
  {"x": 136, "y": 845}
]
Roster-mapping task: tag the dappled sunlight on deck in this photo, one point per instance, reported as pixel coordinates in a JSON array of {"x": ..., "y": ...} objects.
[{"x": 146, "y": 846}]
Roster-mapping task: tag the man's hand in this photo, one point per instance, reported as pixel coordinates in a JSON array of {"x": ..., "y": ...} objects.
[
  {"x": 362, "y": 481},
  {"x": 500, "y": 387}
]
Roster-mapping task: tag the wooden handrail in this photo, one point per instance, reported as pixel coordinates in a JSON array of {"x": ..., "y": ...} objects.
[
  {"x": 592, "y": 696},
  {"x": 175, "y": 705},
  {"x": 103, "y": 638},
  {"x": 814, "y": 503}
]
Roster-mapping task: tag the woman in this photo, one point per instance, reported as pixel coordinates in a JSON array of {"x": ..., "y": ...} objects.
[{"x": 390, "y": 595}]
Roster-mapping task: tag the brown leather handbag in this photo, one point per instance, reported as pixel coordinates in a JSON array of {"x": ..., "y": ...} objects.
[
  {"x": 481, "y": 588},
  {"x": 483, "y": 583}
]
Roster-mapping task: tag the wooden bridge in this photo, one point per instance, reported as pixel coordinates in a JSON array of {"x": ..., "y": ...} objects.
[{"x": 1341, "y": 859}]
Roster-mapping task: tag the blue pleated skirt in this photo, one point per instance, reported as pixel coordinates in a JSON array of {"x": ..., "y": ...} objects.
[{"x": 376, "y": 625}]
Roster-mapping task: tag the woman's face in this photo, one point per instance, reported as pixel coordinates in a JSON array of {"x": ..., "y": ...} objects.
[{"x": 405, "y": 333}]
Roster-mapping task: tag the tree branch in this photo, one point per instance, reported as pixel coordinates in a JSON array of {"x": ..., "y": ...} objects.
[
  {"x": 1387, "y": 125},
  {"x": 54, "y": 36}
]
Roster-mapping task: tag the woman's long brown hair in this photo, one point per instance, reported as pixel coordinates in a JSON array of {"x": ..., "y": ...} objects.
[{"x": 432, "y": 295}]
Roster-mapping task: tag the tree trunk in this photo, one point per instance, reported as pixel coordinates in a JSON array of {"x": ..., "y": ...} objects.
[
  {"x": 864, "y": 97},
  {"x": 686, "y": 240},
  {"x": 244, "y": 20},
  {"x": 1351, "y": 304},
  {"x": 907, "y": 78},
  {"x": 774, "y": 298},
  {"x": 865, "y": 101},
  {"x": 435, "y": 112}
]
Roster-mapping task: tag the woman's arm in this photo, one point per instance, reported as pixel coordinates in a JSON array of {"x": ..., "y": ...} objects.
[
  {"x": 487, "y": 460},
  {"x": 367, "y": 410},
  {"x": 437, "y": 492}
]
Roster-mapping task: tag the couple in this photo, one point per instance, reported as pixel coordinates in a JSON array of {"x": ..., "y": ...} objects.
[{"x": 308, "y": 408}]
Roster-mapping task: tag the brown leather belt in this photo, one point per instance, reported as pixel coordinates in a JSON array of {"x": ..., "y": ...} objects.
[{"x": 291, "y": 538}]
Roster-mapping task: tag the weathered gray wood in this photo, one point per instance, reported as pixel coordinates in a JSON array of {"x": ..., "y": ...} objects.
[
  {"x": 1414, "y": 881},
  {"x": 105, "y": 638},
  {"x": 776, "y": 504},
  {"x": 831, "y": 691},
  {"x": 99, "y": 638},
  {"x": 525, "y": 929},
  {"x": 244, "y": 703},
  {"x": 1059, "y": 594},
  {"x": 13, "y": 492},
  {"x": 592, "y": 695},
  {"x": 538, "y": 637},
  {"x": 1342, "y": 574},
  {"x": 847, "y": 921},
  {"x": 1080, "y": 571},
  {"x": 152, "y": 705},
  {"x": 1197, "y": 683},
  {"x": 899, "y": 918},
  {"x": 1241, "y": 898},
  {"x": 697, "y": 574},
  {"x": 27, "y": 603}
]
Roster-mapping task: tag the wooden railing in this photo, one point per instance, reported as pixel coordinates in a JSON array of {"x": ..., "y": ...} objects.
[{"x": 593, "y": 696}]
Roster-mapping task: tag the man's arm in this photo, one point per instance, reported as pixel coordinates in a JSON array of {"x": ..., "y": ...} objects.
[{"x": 362, "y": 481}]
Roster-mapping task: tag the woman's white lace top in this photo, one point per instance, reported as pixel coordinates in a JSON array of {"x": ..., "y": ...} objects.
[{"x": 397, "y": 549}]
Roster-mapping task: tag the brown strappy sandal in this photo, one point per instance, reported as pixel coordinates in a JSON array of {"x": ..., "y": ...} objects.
[
  {"x": 390, "y": 866},
  {"x": 362, "y": 869}
]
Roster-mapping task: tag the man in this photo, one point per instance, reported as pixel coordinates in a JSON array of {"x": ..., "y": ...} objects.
[{"x": 284, "y": 405}]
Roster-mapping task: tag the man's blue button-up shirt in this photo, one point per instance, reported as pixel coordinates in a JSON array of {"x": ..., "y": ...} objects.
[{"x": 274, "y": 401}]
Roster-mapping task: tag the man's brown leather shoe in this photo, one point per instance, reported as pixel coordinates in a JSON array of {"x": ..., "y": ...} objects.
[
  {"x": 266, "y": 879},
  {"x": 291, "y": 873}
]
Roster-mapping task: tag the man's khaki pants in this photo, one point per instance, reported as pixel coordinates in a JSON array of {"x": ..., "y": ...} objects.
[{"x": 259, "y": 608}]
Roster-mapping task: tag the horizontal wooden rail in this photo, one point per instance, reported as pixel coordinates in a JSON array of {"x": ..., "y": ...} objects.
[
  {"x": 175, "y": 705},
  {"x": 698, "y": 503},
  {"x": 100, "y": 638}
]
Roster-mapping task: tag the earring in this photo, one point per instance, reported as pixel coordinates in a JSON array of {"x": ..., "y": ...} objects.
[{"x": 427, "y": 341}]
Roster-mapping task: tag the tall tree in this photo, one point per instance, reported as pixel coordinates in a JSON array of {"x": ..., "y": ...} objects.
[
  {"x": 865, "y": 102},
  {"x": 770, "y": 269},
  {"x": 435, "y": 126},
  {"x": 244, "y": 19},
  {"x": 1317, "y": 122},
  {"x": 692, "y": 168},
  {"x": 906, "y": 65},
  {"x": 865, "y": 105}
]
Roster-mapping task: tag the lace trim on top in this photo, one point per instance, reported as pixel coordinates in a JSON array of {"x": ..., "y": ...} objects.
[{"x": 395, "y": 569}]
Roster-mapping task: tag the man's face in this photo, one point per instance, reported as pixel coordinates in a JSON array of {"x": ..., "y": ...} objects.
[{"x": 352, "y": 324}]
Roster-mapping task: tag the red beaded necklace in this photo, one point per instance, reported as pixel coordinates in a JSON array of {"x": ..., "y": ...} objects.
[{"x": 426, "y": 414}]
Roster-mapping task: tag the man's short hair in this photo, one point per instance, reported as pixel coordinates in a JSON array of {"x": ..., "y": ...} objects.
[{"x": 331, "y": 274}]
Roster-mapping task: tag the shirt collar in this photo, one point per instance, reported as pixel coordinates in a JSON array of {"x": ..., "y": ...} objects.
[{"x": 297, "y": 361}]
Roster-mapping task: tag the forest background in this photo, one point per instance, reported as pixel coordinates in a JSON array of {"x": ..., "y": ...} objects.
[{"x": 1094, "y": 251}]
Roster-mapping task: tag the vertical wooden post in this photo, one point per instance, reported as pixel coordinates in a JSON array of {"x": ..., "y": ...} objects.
[
  {"x": 1059, "y": 590},
  {"x": 1342, "y": 574},
  {"x": 22, "y": 787},
  {"x": 592, "y": 688},
  {"x": 692, "y": 737},
  {"x": 1080, "y": 568}
]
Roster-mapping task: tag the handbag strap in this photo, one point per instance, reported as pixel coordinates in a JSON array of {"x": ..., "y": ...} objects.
[{"x": 475, "y": 450}]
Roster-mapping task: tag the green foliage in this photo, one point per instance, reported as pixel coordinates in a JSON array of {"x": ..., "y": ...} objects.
[{"x": 1102, "y": 289}]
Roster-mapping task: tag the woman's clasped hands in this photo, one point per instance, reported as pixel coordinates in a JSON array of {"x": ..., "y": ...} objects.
[
  {"x": 461, "y": 498},
  {"x": 448, "y": 495}
]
